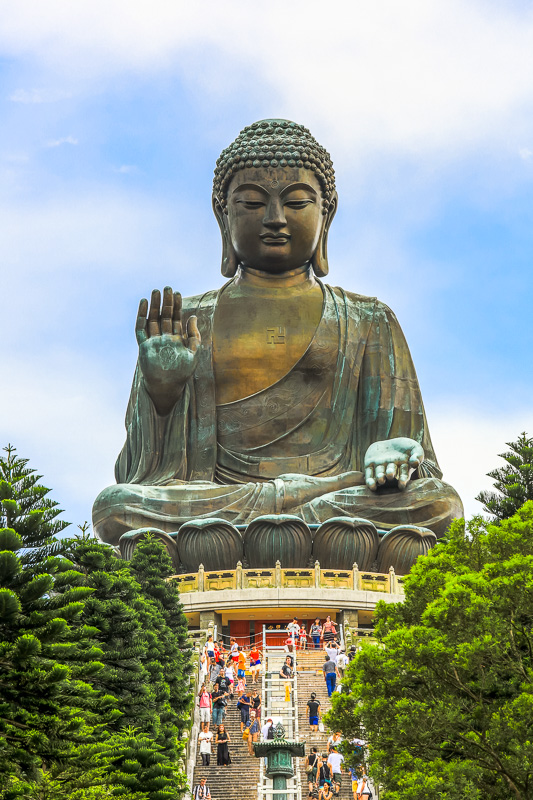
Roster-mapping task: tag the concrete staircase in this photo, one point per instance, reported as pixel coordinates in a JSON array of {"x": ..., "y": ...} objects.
[
  {"x": 311, "y": 679},
  {"x": 239, "y": 779}
]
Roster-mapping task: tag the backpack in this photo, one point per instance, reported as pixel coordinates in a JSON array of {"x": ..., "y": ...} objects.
[{"x": 270, "y": 732}]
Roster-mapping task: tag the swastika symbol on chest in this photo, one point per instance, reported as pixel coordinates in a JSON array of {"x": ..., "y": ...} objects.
[{"x": 276, "y": 335}]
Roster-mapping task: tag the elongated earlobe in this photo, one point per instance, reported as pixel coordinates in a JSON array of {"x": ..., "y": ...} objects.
[
  {"x": 319, "y": 261},
  {"x": 229, "y": 263}
]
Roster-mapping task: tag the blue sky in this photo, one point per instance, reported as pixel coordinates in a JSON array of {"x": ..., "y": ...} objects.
[{"x": 113, "y": 114}]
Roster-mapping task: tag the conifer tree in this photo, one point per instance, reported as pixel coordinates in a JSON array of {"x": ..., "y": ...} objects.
[
  {"x": 45, "y": 704},
  {"x": 112, "y": 612},
  {"x": 144, "y": 767},
  {"x": 27, "y": 509},
  {"x": 513, "y": 482},
  {"x": 138, "y": 652},
  {"x": 151, "y": 565},
  {"x": 89, "y": 702}
]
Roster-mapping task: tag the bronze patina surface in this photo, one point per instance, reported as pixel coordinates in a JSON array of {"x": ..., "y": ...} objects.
[{"x": 276, "y": 393}]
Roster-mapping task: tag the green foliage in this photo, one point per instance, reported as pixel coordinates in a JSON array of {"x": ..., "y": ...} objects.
[
  {"x": 151, "y": 565},
  {"x": 445, "y": 699},
  {"x": 514, "y": 482},
  {"x": 143, "y": 766},
  {"x": 114, "y": 613},
  {"x": 45, "y": 697},
  {"x": 93, "y": 659},
  {"x": 26, "y": 509}
]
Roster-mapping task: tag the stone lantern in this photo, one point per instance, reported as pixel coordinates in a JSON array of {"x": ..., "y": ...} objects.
[{"x": 279, "y": 753}]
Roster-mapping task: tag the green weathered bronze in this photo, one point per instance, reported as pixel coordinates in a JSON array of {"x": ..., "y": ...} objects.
[
  {"x": 215, "y": 543},
  {"x": 341, "y": 542},
  {"x": 279, "y": 753},
  {"x": 401, "y": 546},
  {"x": 277, "y": 537},
  {"x": 275, "y": 393}
]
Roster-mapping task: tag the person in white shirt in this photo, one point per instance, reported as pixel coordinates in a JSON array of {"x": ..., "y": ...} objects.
[
  {"x": 342, "y": 662},
  {"x": 332, "y": 651},
  {"x": 335, "y": 768},
  {"x": 335, "y": 739},
  {"x": 230, "y": 677},
  {"x": 294, "y": 627},
  {"x": 265, "y": 729},
  {"x": 201, "y": 791},
  {"x": 204, "y": 666},
  {"x": 363, "y": 788},
  {"x": 205, "y": 739}
]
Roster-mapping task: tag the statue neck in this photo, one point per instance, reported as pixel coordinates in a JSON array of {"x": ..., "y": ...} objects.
[{"x": 301, "y": 279}]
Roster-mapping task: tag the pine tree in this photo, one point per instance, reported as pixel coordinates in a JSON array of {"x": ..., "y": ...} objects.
[
  {"x": 26, "y": 508},
  {"x": 86, "y": 710},
  {"x": 143, "y": 767},
  {"x": 138, "y": 649},
  {"x": 514, "y": 482},
  {"x": 151, "y": 566},
  {"x": 45, "y": 704},
  {"x": 112, "y": 612}
]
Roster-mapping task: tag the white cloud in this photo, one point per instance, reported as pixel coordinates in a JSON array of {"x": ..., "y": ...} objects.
[
  {"x": 28, "y": 96},
  {"x": 525, "y": 154},
  {"x": 127, "y": 169},
  {"x": 58, "y": 413},
  {"x": 59, "y": 142},
  {"x": 425, "y": 79},
  {"x": 467, "y": 442},
  {"x": 91, "y": 229}
]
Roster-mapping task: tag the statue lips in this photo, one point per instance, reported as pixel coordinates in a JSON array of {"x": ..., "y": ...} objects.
[{"x": 275, "y": 239}]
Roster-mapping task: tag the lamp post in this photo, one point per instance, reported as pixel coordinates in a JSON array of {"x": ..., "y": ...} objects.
[{"x": 279, "y": 753}]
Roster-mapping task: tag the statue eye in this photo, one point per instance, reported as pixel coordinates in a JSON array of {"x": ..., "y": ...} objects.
[
  {"x": 251, "y": 203},
  {"x": 298, "y": 203}
]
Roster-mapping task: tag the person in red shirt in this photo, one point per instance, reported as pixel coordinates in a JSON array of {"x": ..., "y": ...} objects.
[{"x": 255, "y": 662}]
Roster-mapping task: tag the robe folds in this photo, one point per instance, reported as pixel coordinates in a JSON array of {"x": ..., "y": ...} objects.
[{"x": 354, "y": 385}]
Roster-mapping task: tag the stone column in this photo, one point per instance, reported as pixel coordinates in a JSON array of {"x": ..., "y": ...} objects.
[
  {"x": 210, "y": 619},
  {"x": 349, "y": 619}
]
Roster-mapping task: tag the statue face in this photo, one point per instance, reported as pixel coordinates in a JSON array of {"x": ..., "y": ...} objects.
[{"x": 275, "y": 217}]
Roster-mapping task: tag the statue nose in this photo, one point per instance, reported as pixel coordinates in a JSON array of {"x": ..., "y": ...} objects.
[{"x": 274, "y": 214}]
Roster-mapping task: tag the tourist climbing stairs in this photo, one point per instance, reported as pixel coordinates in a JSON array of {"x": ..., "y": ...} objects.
[
  {"x": 310, "y": 679},
  {"x": 280, "y": 702},
  {"x": 239, "y": 780},
  {"x": 286, "y": 702}
]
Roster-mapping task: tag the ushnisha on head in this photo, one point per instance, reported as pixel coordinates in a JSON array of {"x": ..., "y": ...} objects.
[
  {"x": 274, "y": 143},
  {"x": 274, "y": 164}
]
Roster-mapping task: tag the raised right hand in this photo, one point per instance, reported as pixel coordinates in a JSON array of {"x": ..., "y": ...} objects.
[{"x": 167, "y": 354}]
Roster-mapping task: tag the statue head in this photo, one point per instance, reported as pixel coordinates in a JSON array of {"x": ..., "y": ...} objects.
[{"x": 274, "y": 198}]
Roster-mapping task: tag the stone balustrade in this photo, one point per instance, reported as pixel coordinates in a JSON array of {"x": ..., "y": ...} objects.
[{"x": 312, "y": 578}]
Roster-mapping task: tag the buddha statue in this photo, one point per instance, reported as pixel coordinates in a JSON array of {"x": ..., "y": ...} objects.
[{"x": 276, "y": 393}]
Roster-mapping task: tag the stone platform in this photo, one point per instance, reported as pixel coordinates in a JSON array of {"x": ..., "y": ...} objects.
[{"x": 220, "y": 596}]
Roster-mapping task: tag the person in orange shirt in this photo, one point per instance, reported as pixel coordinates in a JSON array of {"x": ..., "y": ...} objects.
[{"x": 241, "y": 663}]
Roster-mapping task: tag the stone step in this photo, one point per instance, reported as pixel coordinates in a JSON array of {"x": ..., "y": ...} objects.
[
  {"x": 311, "y": 679},
  {"x": 239, "y": 779}
]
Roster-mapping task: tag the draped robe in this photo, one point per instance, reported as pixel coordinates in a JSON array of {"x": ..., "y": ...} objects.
[{"x": 354, "y": 385}]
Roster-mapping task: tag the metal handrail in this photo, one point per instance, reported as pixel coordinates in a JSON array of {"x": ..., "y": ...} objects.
[
  {"x": 341, "y": 632},
  {"x": 191, "y": 744}
]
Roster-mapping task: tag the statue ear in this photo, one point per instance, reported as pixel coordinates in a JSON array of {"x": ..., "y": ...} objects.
[
  {"x": 319, "y": 261},
  {"x": 229, "y": 257}
]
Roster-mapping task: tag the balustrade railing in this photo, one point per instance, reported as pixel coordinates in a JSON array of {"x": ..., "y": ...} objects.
[{"x": 311, "y": 578}]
